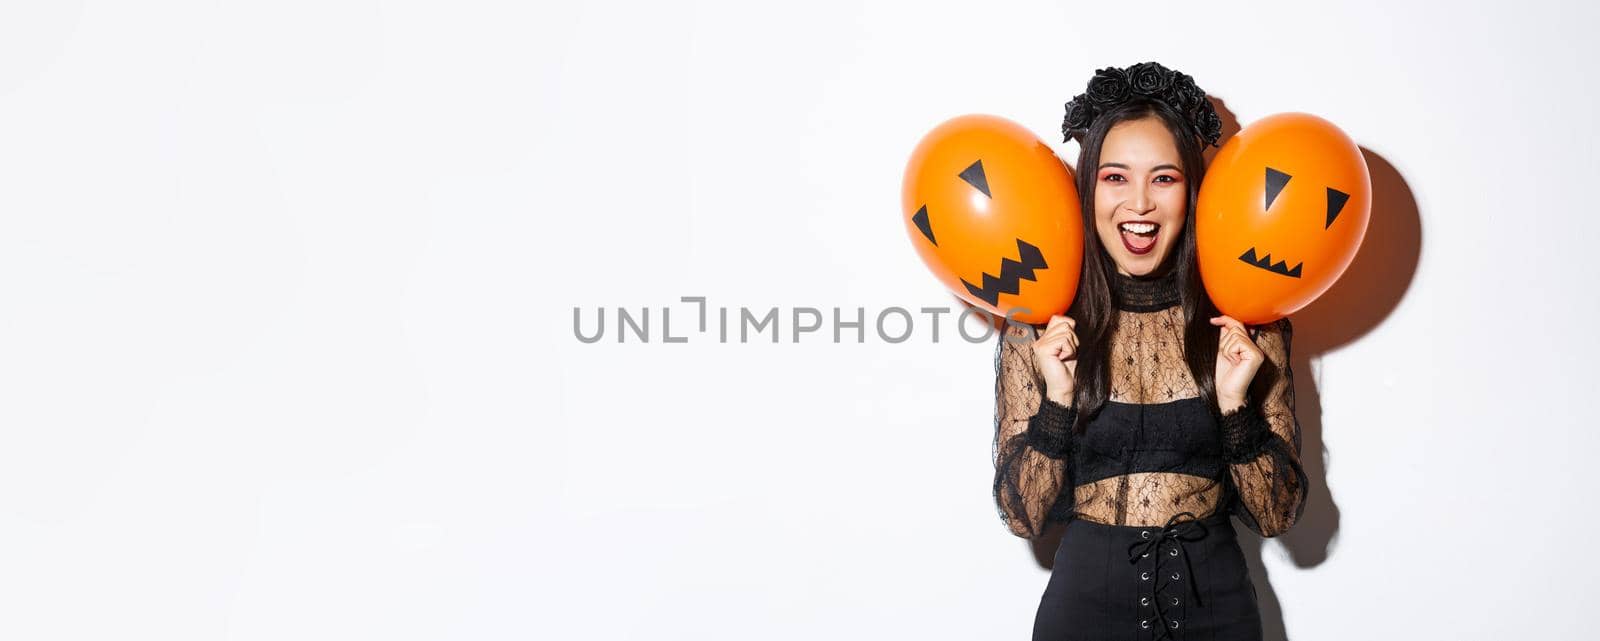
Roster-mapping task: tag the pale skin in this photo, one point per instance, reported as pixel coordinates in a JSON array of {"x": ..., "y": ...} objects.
[{"x": 1140, "y": 180}]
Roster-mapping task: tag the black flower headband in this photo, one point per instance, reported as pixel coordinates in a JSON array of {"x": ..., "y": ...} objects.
[{"x": 1149, "y": 80}]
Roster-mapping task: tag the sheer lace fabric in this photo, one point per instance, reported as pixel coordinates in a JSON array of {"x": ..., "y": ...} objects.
[{"x": 1155, "y": 449}]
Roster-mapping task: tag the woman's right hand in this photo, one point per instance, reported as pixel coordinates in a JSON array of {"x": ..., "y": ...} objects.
[{"x": 1055, "y": 358}]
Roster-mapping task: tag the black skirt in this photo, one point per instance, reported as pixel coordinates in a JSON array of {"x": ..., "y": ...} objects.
[{"x": 1186, "y": 581}]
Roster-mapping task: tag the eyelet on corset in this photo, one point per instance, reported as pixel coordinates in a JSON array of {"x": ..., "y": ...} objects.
[
  {"x": 1144, "y": 576},
  {"x": 1144, "y": 534},
  {"x": 1145, "y": 624},
  {"x": 1144, "y": 600},
  {"x": 1172, "y": 552}
]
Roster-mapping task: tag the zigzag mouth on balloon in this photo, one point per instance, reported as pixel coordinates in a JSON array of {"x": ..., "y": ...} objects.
[
  {"x": 1265, "y": 262},
  {"x": 1012, "y": 273}
]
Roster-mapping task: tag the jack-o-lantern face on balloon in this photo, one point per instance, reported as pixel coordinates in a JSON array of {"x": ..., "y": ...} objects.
[
  {"x": 1282, "y": 210},
  {"x": 994, "y": 214}
]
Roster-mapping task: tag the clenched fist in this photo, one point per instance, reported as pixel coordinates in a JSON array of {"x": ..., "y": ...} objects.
[
  {"x": 1055, "y": 358},
  {"x": 1238, "y": 360}
]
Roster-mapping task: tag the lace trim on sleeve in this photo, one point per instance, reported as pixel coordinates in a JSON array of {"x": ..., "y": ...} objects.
[
  {"x": 1244, "y": 433},
  {"x": 1050, "y": 430},
  {"x": 1028, "y": 481},
  {"x": 1265, "y": 442}
]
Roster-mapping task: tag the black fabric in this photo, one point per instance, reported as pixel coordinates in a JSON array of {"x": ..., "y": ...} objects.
[
  {"x": 1185, "y": 581},
  {"x": 1244, "y": 433},
  {"x": 1050, "y": 431},
  {"x": 1177, "y": 437},
  {"x": 1145, "y": 293}
]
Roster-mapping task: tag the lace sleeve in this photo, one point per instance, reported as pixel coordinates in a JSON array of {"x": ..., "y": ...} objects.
[
  {"x": 1032, "y": 440},
  {"x": 1261, "y": 441}
]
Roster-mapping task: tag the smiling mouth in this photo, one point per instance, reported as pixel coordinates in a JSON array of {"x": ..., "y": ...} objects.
[
  {"x": 1265, "y": 262},
  {"x": 1139, "y": 242}
]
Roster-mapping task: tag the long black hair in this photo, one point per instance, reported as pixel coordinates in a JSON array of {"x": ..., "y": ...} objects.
[{"x": 1093, "y": 310}]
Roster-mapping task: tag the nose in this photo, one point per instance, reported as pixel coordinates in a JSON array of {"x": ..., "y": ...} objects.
[{"x": 1141, "y": 203}]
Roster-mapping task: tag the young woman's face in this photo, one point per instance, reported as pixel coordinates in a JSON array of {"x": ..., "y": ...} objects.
[{"x": 1140, "y": 196}]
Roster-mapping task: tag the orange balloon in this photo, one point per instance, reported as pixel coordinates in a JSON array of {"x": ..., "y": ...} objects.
[
  {"x": 1282, "y": 210},
  {"x": 994, "y": 214}
]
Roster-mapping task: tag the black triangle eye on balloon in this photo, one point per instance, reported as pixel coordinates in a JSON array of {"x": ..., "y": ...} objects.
[
  {"x": 1336, "y": 200},
  {"x": 921, "y": 219},
  {"x": 1277, "y": 180},
  {"x": 974, "y": 176}
]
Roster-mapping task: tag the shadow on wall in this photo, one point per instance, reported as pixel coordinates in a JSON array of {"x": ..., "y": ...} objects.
[{"x": 1369, "y": 290}]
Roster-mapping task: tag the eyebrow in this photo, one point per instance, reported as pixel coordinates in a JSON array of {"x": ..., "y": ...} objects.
[{"x": 1160, "y": 167}]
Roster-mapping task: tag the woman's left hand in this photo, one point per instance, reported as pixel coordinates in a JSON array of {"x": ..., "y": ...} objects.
[{"x": 1238, "y": 358}]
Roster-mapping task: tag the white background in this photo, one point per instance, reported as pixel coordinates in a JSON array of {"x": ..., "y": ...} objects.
[{"x": 288, "y": 348}]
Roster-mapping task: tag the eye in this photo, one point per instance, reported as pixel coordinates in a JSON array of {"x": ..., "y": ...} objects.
[
  {"x": 1164, "y": 178},
  {"x": 1113, "y": 178},
  {"x": 1336, "y": 201}
]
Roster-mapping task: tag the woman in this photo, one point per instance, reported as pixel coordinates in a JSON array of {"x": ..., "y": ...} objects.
[{"x": 1142, "y": 418}]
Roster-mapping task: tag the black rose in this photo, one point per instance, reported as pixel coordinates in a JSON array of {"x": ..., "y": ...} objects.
[
  {"x": 1108, "y": 86},
  {"x": 1185, "y": 94},
  {"x": 1149, "y": 78},
  {"x": 1208, "y": 124},
  {"x": 1079, "y": 114}
]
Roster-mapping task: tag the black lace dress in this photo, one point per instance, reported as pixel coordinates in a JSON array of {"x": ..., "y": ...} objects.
[{"x": 1146, "y": 485}]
